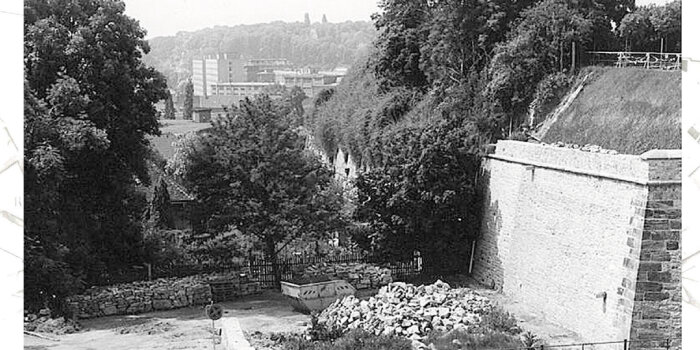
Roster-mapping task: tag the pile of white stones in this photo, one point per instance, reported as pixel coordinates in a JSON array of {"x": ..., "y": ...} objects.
[{"x": 406, "y": 310}]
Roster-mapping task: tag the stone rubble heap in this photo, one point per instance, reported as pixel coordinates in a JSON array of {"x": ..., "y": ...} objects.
[
  {"x": 406, "y": 310},
  {"x": 359, "y": 275},
  {"x": 146, "y": 296},
  {"x": 585, "y": 148},
  {"x": 43, "y": 323}
]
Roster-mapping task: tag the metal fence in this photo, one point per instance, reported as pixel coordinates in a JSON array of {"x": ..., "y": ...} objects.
[
  {"x": 626, "y": 344},
  {"x": 647, "y": 60}
]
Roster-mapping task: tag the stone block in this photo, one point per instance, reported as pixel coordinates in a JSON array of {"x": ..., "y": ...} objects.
[
  {"x": 672, "y": 245},
  {"x": 649, "y": 287},
  {"x": 655, "y": 296},
  {"x": 654, "y": 276},
  {"x": 649, "y": 266}
]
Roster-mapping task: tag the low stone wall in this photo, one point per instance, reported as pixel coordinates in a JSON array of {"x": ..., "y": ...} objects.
[
  {"x": 359, "y": 275},
  {"x": 147, "y": 296}
]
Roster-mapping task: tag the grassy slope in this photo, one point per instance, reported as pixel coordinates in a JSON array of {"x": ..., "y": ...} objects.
[{"x": 629, "y": 110}]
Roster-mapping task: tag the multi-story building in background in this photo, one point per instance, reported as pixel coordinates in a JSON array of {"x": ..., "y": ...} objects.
[
  {"x": 222, "y": 80},
  {"x": 262, "y": 69},
  {"x": 214, "y": 69}
]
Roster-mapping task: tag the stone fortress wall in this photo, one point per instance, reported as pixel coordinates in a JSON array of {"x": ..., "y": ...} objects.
[{"x": 590, "y": 240}]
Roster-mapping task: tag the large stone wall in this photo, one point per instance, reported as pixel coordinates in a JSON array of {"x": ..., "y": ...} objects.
[
  {"x": 564, "y": 232},
  {"x": 147, "y": 296}
]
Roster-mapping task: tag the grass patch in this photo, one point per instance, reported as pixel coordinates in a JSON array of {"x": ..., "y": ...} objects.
[{"x": 630, "y": 110}]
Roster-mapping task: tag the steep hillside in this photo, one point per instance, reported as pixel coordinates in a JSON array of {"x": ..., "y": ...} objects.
[
  {"x": 630, "y": 110},
  {"x": 323, "y": 45}
]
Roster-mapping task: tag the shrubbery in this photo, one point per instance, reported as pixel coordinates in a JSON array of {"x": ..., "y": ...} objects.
[{"x": 355, "y": 339}]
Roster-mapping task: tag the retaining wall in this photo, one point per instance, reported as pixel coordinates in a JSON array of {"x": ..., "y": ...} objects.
[{"x": 590, "y": 240}]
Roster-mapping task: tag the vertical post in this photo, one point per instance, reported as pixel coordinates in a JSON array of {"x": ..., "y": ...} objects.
[
  {"x": 573, "y": 56},
  {"x": 624, "y": 345},
  {"x": 668, "y": 344}
]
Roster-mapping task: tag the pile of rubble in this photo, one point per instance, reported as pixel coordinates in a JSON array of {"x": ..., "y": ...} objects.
[
  {"x": 359, "y": 275},
  {"x": 410, "y": 311},
  {"x": 43, "y": 323},
  {"x": 584, "y": 148}
]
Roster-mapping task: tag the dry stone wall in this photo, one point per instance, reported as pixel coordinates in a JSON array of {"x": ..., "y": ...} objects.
[
  {"x": 359, "y": 275},
  {"x": 571, "y": 234},
  {"x": 147, "y": 296}
]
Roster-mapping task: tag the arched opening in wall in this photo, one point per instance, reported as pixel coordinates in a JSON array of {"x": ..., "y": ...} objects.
[
  {"x": 347, "y": 171},
  {"x": 346, "y": 157}
]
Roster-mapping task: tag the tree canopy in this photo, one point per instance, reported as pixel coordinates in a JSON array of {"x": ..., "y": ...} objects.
[
  {"x": 251, "y": 173},
  {"x": 89, "y": 103}
]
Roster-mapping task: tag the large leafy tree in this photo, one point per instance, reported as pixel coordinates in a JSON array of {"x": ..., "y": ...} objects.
[
  {"x": 424, "y": 197},
  {"x": 538, "y": 46},
  {"x": 252, "y": 173},
  {"x": 89, "y": 103}
]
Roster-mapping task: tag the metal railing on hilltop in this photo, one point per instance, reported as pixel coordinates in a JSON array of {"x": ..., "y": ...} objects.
[{"x": 647, "y": 60}]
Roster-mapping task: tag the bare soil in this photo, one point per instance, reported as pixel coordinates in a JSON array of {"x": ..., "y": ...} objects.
[{"x": 185, "y": 328}]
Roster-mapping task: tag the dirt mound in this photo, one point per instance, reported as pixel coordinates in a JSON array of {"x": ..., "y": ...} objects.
[{"x": 150, "y": 328}]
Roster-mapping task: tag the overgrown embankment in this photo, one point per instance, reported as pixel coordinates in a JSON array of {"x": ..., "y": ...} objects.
[{"x": 630, "y": 110}]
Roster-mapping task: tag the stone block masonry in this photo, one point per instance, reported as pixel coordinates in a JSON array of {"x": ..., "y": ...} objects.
[
  {"x": 148, "y": 296},
  {"x": 590, "y": 240}
]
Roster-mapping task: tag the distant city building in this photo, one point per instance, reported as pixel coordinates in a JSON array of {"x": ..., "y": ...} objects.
[
  {"x": 263, "y": 68},
  {"x": 309, "y": 81},
  {"x": 213, "y": 69}
]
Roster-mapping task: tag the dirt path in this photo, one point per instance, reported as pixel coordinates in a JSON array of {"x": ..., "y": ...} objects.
[{"x": 175, "y": 329}]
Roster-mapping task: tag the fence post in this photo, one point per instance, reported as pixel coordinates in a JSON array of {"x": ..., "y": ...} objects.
[{"x": 624, "y": 345}]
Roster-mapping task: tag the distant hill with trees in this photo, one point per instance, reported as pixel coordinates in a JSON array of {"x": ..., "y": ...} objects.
[{"x": 322, "y": 45}]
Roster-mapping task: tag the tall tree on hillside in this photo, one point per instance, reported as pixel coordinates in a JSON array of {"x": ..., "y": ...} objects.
[
  {"x": 252, "y": 173},
  {"x": 401, "y": 35},
  {"x": 324, "y": 20},
  {"x": 189, "y": 101},
  {"x": 90, "y": 104},
  {"x": 307, "y": 20},
  {"x": 169, "y": 107},
  {"x": 538, "y": 46}
]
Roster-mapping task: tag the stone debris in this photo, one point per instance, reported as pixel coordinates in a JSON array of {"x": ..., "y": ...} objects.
[
  {"x": 406, "y": 310},
  {"x": 585, "y": 148},
  {"x": 147, "y": 296},
  {"x": 359, "y": 275},
  {"x": 46, "y": 324}
]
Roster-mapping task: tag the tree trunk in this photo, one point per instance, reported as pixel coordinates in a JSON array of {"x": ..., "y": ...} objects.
[
  {"x": 271, "y": 254},
  {"x": 561, "y": 56}
]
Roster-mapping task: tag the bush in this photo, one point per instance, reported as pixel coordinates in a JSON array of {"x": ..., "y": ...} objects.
[
  {"x": 463, "y": 339},
  {"x": 549, "y": 91},
  {"x": 499, "y": 320},
  {"x": 353, "y": 340}
]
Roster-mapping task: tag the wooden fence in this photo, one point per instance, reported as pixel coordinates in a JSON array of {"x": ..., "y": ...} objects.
[{"x": 647, "y": 60}]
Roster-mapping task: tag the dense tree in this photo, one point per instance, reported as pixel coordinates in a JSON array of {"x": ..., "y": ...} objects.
[
  {"x": 169, "y": 107},
  {"x": 159, "y": 210},
  {"x": 89, "y": 103},
  {"x": 538, "y": 46},
  {"x": 652, "y": 28},
  {"x": 189, "y": 101},
  {"x": 424, "y": 196},
  {"x": 398, "y": 44},
  {"x": 307, "y": 20},
  {"x": 323, "y": 19},
  {"x": 252, "y": 173}
]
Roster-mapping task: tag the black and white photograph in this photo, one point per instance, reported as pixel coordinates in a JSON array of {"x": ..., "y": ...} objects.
[{"x": 346, "y": 175}]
